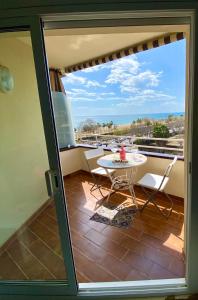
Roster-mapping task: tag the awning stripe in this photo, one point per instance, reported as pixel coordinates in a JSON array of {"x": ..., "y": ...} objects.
[
  {"x": 146, "y": 45},
  {"x": 55, "y": 80}
]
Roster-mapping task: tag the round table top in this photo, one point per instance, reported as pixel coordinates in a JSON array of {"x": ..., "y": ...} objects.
[{"x": 133, "y": 160}]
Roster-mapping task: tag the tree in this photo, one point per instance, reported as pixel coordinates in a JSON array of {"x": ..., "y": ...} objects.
[
  {"x": 110, "y": 124},
  {"x": 160, "y": 131},
  {"x": 88, "y": 125},
  {"x": 139, "y": 120},
  {"x": 147, "y": 122}
]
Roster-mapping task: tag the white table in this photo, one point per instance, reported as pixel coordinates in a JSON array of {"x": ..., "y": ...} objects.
[{"x": 126, "y": 181}]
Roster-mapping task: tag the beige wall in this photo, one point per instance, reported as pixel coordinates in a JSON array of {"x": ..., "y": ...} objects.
[
  {"x": 23, "y": 158},
  {"x": 73, "y": 160},
  {"x": 175, "y": 185}
]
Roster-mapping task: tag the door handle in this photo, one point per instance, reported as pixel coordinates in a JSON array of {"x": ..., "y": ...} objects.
[{"x": 51, "y": 179}]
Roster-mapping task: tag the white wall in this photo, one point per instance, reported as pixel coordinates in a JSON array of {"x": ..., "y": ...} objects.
[
  {"x": 23, "y": 157},
  {"x": 73, "y": 160}
]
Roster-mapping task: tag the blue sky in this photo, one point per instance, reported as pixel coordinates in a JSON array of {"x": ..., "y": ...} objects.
[{"x": 151, "y": 81}]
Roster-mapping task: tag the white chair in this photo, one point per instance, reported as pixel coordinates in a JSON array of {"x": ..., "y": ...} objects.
[
  {"x": 157, "y": 183},
  {"x": 93, "y": 154}
]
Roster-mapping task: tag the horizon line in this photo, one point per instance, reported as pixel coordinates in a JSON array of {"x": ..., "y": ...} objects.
[{"x": 129, "y": 114}]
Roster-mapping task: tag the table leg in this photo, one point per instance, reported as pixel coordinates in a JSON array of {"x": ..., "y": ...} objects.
[
  {"x": 112, "y": 191},
  {"x": 130, "y": 177},
  {"x": 131, "y": 185}
]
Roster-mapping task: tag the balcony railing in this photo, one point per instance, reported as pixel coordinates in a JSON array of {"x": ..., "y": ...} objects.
[{"x": 171, "y": 145}]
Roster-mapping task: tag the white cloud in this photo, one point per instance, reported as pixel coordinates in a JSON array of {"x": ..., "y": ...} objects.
[
  {"x": 120, "y": 69},
  {"x": 79, "y": 80},
  {"x": 114, "y": 98},
  {"x": 108, "y": 94},
  {"x": 73, "y": 79},
  {"x": 76, "y": 92},
  {"x": 148, "y": 96},
  {"x": 94, "y": 83},
  {"x": 79, "y": 94},
  {"x": 83, "y": 99},
  {"x": 84, "y": 95},
  {"x": 127, "y": 73},
  {"x": 152, "y": 78},
  {"x": 137, "y": 88},
  {"x": 130, "y": 64},
  {"x": 148, "y": 92}
]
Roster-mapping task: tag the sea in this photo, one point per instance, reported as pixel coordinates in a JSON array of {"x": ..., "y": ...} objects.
[{"x": 123, "y": 119}]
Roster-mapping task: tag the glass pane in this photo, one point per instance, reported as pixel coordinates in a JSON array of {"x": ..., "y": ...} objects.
[
  {"x": 29, "y": 237},
  {"x": 63, "y": 119}
]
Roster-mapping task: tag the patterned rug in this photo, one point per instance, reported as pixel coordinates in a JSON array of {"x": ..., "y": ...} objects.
[{"x": 118, "y": 216}]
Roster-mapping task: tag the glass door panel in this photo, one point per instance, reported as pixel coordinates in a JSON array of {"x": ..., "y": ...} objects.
[{"x": 30, "y": 247}]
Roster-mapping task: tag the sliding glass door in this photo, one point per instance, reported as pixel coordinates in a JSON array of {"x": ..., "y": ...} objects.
[{"x": 34, "y": 235}]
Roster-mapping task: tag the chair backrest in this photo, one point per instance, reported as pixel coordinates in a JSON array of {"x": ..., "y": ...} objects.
[
  {"x": 93, "y": 153},
  {"x": 169, "y": 167},
  {"x": 167, "y": 174}
]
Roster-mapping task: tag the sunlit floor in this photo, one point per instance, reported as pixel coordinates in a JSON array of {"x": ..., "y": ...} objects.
[{"x": 151, "y": 248}]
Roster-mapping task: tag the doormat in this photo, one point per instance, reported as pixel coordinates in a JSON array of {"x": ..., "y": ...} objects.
[{"x": 119, "y": 216}]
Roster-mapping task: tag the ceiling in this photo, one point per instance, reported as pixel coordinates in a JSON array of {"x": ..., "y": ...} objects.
[
  {"x": 64, "y": 51},
  {"x": 67, "y": 47}
]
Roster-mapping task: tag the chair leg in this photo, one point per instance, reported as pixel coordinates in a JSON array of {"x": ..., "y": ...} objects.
[
  {"x": 151, "y": 198},
  {"x": 160, "y": 211},
  {"x": 171, "y": 201},
  {"x": 166, "y": 215},
  {"x": 96, "y": 185}
]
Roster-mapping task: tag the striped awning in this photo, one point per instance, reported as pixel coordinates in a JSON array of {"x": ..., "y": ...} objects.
[
  {"x": 55, "y": 80},
  {"x": 146, "y": 45}
]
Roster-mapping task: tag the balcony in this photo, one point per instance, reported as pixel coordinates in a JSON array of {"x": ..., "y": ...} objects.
[
  {"x": 72, "y": 160},
  {"x": 152, "y": 248}
]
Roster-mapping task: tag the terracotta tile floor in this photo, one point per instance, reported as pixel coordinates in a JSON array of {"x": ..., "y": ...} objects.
[
  {"x": 150, "y": 249},
  {"x": 36, "y": 251}
]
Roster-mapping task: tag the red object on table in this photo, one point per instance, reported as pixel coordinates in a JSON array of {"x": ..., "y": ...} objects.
[{"x": 122, "y": 153}]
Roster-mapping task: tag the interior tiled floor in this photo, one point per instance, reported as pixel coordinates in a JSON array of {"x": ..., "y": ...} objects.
[
  {"x": 36, "y": 251},
  {"x": 151, "y": 248}
]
